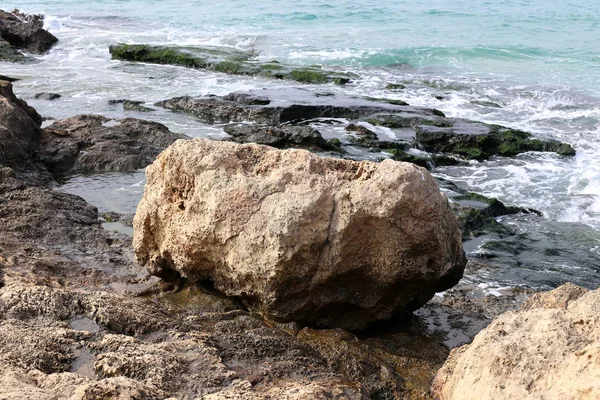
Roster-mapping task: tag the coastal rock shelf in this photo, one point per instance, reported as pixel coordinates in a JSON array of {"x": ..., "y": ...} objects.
[
  {"x": 297, "y": 237},
  {"x": 430, "y": 129},
  {"x": 224, "y": 60}
]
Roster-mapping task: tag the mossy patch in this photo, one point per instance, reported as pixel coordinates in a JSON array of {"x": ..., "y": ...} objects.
[
  {"x": 469, "y": 142},
  {"x": 9, "y": 54},
  {"x": 395, "y": 86},
  {"x": 308, "y": 76}
]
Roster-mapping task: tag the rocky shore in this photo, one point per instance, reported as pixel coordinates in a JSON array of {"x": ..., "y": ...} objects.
[{"x": 271, "y": 265}]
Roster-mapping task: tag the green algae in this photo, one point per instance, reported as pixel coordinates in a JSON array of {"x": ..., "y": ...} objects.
[{"x": 224, "y": 60}]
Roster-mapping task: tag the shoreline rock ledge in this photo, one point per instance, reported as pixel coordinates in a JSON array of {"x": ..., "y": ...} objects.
[{"x": 296, "y": 237}]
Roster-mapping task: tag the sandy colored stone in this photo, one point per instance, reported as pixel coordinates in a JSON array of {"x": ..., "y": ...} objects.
[
  {"x": 548, "y": 350},
  {"x": 298, "y": 237}
]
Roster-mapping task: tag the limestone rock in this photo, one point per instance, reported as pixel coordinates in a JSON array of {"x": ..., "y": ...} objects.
[
  {"x": 550, "y": 349},
  {"x": 321, "y": 241}
]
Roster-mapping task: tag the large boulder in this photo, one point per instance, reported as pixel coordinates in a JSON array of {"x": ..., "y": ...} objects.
[
  {"x": 549, "y": 349},
  {"x": 25, "y": 33},
  {"x": 297, "y": 237}
]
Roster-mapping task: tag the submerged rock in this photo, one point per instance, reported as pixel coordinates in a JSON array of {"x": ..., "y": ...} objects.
[
  {"x": 549, "y": 349},
  {"x": 224, "y": 60},
  {"x": 477, "y": 214},
  {"x": 93, "y": 143},
  {"x": 25, "y": 33},
  {"x": 9, "y": 53},
  {"x": 325, "y": 242},
  {"x": 47, "y": 96}
]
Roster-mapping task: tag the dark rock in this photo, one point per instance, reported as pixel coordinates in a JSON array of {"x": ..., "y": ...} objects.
[
  {"x": 8, "y": 78},
  {"x": 408, "y": 120},
  {"x": 19, "y": 131},
  {"x": 389, "y": 101},
  {"x": 484, "y": 103},
  {"x": 36, "y": 20},
  {"x": 91, "y": 143},
  {"x": 135, "y": 106},
  {"x": 464, "y": 311},
  {"x": 47, "y": 96},
  {"x": 286, "y": 105},
  {"x": 477, "y": 215},
  {"x": 395, "y": 86},
  {"x": 224, "y": 60},
  {"x": 281, "y": 137},
  {"x": 362, "y": 131},
  {"x": 24, "y": 33},
  {"x": 248, "y": 99},
  {"x": 131, "y": 105},
  {"x": 478, "y": 141}
]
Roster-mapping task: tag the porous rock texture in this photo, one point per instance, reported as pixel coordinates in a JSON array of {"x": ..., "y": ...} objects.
[
  {"x": 320, "y": 241},
  {"x": 549, "y": 349}
]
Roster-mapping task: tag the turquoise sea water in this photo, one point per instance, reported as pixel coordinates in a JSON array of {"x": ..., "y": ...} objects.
[
  {"x": 544, "y": 42},
  {"x": 536, "y": 61}
]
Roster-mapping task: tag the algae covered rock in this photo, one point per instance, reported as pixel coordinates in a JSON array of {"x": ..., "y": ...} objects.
[
  {"x": 478, "y": 141},
  {"x": 547, "y": 350},
  {"x": 326, "y": 242},
  {"x": 226, "y": 60}
]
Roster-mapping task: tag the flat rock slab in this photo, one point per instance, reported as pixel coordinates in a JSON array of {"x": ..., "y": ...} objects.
[
  {"x": 298, "y": 237},
  {"x": 286, "y": 105}
]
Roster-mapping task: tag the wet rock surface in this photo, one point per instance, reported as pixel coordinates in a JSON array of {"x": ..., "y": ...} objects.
[
  {"x": 304, "y": 137},
  {"x": 231, "y": 61},
  {"x": 321, "y": 241},
  {"x": 24, "y": 32},
  {"x": 448, "y": 141},
  {"x": 92, "y": 143}
]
